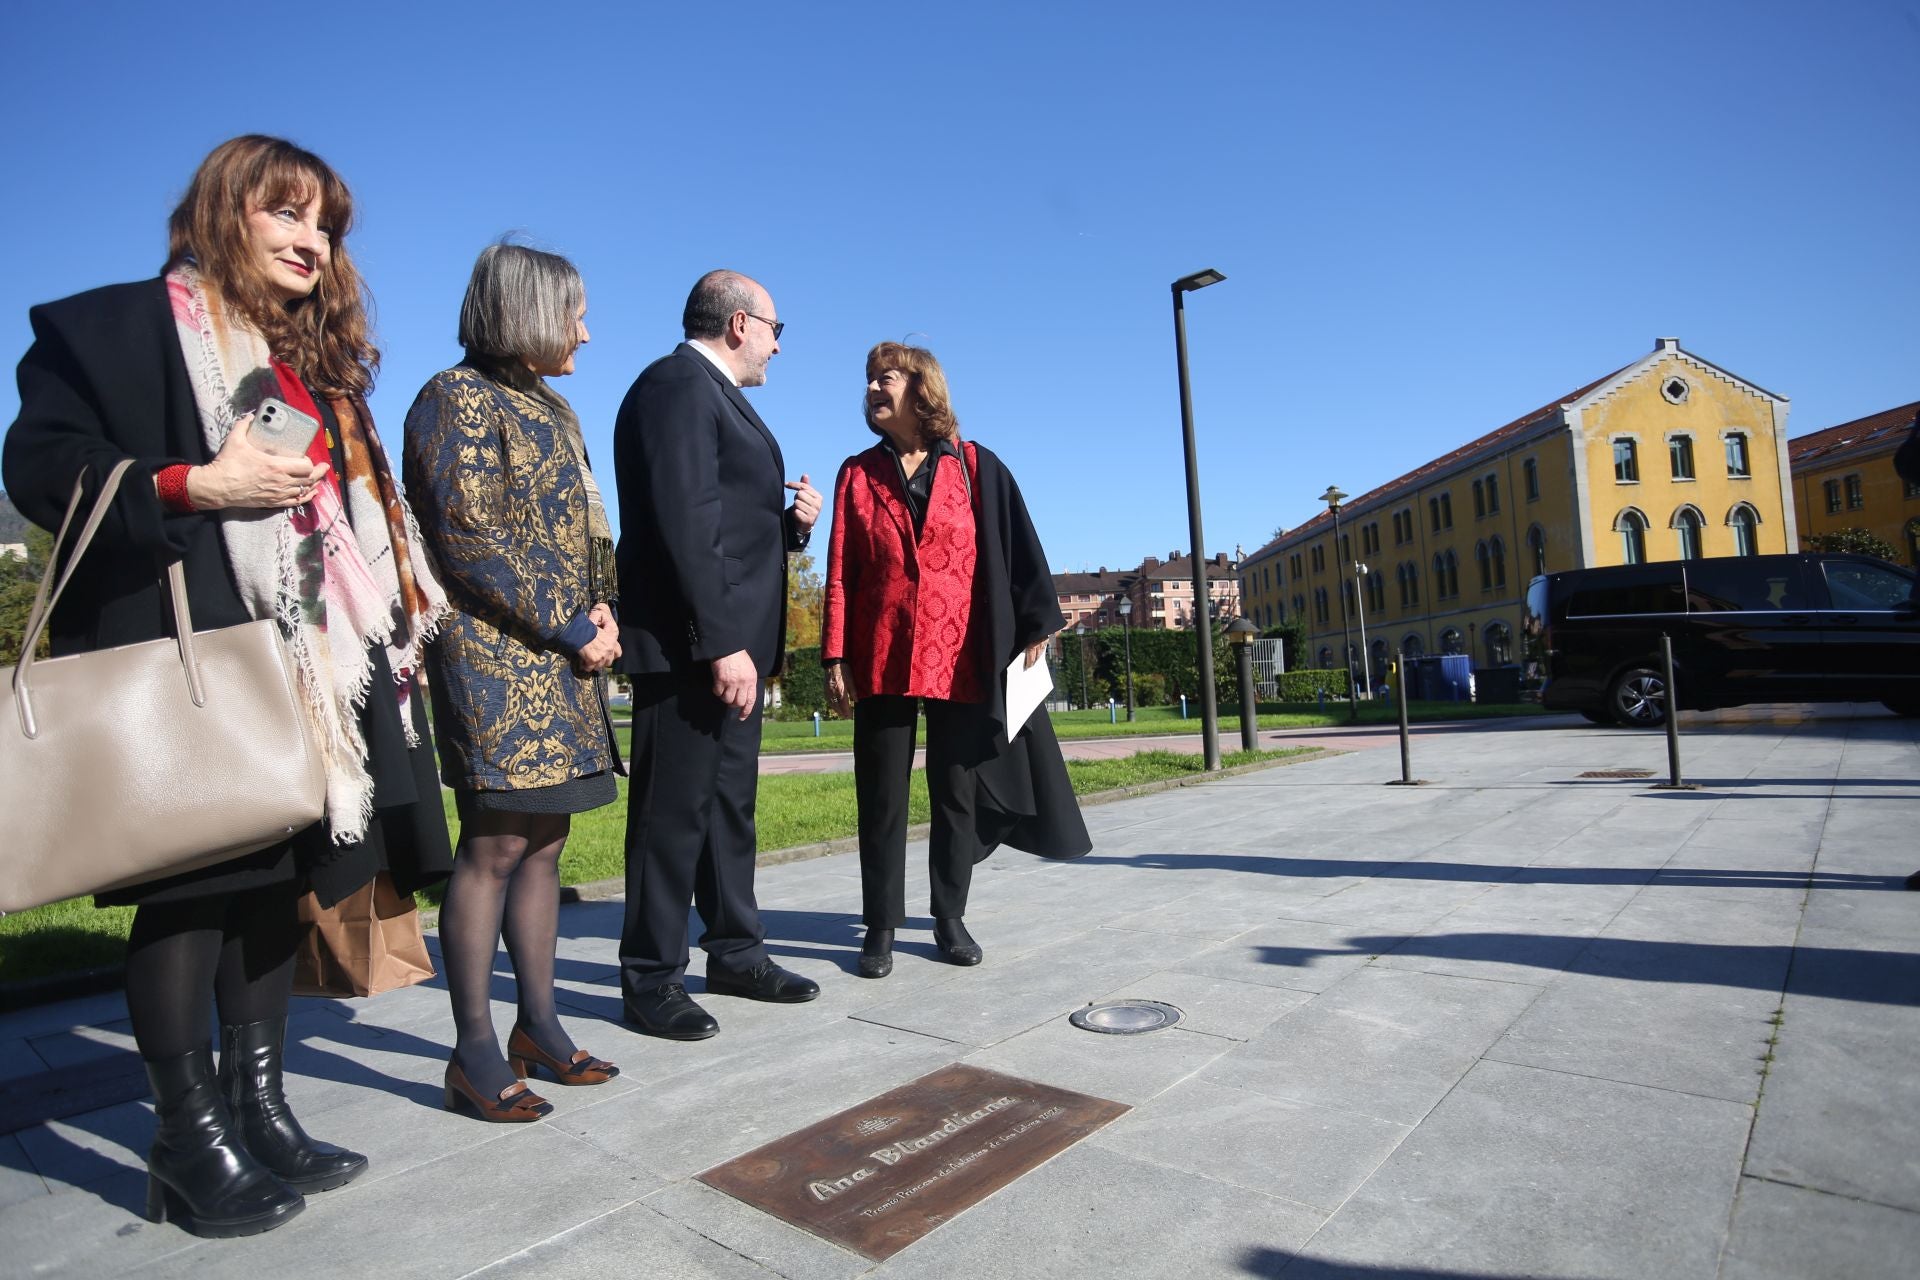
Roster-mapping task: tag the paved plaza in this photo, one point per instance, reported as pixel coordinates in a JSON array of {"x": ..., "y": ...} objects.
[{"x": 1517, "y": 1022}]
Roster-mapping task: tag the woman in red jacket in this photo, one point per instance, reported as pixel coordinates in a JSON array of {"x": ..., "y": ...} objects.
[{"x": 909, "y": 623}]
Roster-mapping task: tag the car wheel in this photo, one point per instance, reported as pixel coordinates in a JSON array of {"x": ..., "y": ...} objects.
[
  {"x": 1603, "y": 718},
  {"x": 1902, "y": 708},
  {"x": 1638, "y": 699}
]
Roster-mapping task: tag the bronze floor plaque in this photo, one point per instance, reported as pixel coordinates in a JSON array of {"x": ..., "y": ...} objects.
[{"x": 878, "y": 1176}]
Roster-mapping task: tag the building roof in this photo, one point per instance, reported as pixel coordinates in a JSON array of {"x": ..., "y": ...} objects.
[
  {"x": 1177, "y": 568},
  {"x": 1509, "y": 433},
  {"x": 1876, "y": 433},
  {"x": 1446, "y": 461},
  {"x": 1103, "y": 583}
]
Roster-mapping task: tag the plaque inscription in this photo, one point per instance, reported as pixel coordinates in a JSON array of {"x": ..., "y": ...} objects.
[{"x": 878, "y": 1176}]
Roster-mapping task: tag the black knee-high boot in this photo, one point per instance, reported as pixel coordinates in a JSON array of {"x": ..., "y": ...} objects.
[
  {"x": 198, "y": 1173},
  {"x": 251, "y": 1086}
]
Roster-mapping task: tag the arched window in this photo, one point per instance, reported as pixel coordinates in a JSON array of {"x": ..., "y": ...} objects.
[
  {"x": 1493, "y": 494},
  {"x": 1686, "y": 532},
  {"x": 1400, "y": 579},
  {"x": 1537, "y": 545},
  {"x": 1439, "y": 576},
  {"x": 1433, "y": 513},
  {"x": 1913, "y": 540},
  {"x": 1745, "y": 524},
  {"x": 1450, "y": 641},
  {"x": 1453, "y": 574},
  {"x": 1479, "y": 499},
  {"x": 1485, "y": 562},
  {"x": 1498, "y": 550},
  {"x": 1413, "y": 583},
  {"x": 1499, "y": 641},
  {"x": 1326, "y": 658},
  {"x": 1413, "y": 646},
  {"x": 1379, "y": 651},
  {"x": 1632, "y": 528}
]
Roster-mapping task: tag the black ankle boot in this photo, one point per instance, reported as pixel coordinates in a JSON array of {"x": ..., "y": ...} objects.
[
  {"x": 876, "y": 954},
  {"x": 198, "y": 1173},
  {"x": 955, "y": 944},
  {"x": 250, "y": 1084}
]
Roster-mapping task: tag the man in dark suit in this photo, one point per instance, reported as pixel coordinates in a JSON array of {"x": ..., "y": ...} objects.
[{"x": 703, "y": 571}]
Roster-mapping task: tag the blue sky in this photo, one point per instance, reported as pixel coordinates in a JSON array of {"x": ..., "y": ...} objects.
[{"x": 1432, "y": 217}]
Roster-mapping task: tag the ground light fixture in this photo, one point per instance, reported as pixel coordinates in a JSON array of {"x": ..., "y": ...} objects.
[
  {"x": 1202, "y": 614},
  {"x": 1125, "y": 1017}
]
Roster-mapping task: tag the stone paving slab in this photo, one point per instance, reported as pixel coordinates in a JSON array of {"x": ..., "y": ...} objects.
[{"x": 1515, "y": 1023}]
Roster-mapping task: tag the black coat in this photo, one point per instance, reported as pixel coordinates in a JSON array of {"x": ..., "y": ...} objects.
[
  {"x": 704, "y": 533},
  {"x": 1026, "y": 799},
  {"x": 105, "y": 379}
]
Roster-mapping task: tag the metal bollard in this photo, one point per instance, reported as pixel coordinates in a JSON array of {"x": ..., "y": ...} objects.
[
  {"x": 1183, "y": 706},
  {"x": 1323, "y": 699},
  {"x": 1674, "y": 781},
  {"x": 1113, "y": 712},
  {"x": 1406, "y": 778},
  {"x": 816, "y": 724},
  {"x": 1249, "y": 708}
]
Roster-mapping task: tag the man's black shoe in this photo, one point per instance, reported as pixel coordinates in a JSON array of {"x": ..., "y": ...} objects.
[
  {"x": 765, "y": 981},
  {"x": 670, "y": 1013}
]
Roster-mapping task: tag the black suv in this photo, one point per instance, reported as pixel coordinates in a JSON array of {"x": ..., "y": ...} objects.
[{"x": 1792, "y": 628}]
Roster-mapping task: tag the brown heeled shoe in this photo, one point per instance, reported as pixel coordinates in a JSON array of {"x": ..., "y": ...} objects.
[
  {"x": 523, "y": 1055},
  {"x": 520, "y": 1105}
]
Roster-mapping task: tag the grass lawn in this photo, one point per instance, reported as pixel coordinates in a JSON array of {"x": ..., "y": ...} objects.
[
  {"x": 837, "y": 735},
  {"x": 793, "y": 809}
]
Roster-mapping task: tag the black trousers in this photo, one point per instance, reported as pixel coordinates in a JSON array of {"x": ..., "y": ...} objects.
[
  {"x": 883, "y": 743},
  {"x": 690, "y": 837}
]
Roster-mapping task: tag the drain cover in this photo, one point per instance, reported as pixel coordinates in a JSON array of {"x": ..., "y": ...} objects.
[
  {"x": 1126, "y": 1017},
  {"x": 1618, "y": 773}
]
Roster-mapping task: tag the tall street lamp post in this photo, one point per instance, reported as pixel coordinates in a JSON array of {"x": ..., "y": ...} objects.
[
  {"x": 1333, "y": 498},
  {"x": 1126, "y": 627},
  {"x": 1081, "y": 631},
  {"x": 1360, "y": 572},
  {"x": 1203, "y": 629}
]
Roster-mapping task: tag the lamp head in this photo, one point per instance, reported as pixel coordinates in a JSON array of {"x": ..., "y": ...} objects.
[
  {"x": 1126, "y": 607},
  {"x": 1333, "y": 497},
  {"x": 1240, "y": 632},
  {"x": 1198, "y": 280}
]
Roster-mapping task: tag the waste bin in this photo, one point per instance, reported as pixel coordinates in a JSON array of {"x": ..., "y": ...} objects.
[{"x": 1496, "y": 684}]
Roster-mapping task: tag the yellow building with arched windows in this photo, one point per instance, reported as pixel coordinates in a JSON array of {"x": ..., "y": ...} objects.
[{"x": 1669, "y": 458}]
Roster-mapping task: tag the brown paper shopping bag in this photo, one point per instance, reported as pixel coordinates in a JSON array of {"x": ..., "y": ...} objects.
[{"x": 368, "y": 942}]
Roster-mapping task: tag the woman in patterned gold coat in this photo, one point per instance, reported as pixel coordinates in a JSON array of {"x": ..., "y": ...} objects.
[{"x": 498, "y": 475}]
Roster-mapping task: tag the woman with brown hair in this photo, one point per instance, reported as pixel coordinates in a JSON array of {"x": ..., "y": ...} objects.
[
  {"x": 936, "y": 580},
  {"x": 258, "y": 300}
]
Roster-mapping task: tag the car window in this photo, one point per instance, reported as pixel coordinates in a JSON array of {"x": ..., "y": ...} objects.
[
  {"x": 1735, "y": 583},
  {"x": 1625, "y": 598},
  {"x": 1856, "y": 585}
]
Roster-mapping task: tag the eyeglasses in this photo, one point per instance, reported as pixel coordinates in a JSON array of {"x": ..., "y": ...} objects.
[{"x": 776, "y": 325}]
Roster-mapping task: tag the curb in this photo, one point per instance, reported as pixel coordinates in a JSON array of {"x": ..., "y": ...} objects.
[
  {"x": 614, "y": 887},
  {"x": 88, "y": 982}
]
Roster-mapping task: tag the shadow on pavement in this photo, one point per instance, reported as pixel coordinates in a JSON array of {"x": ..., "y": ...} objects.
[
  {"x": 1497, "y": 873},
  {"x": 1873, "y": 977}
]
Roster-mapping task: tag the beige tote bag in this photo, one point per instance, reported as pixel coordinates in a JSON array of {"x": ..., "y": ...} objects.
[{"x": 124, "y": 765}]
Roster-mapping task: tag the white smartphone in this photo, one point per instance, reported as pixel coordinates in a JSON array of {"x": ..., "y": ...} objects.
[{"x": 280, "y": 428}]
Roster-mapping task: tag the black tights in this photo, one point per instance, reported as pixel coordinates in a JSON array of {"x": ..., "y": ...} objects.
[
  {"x": 506, "y": 879},
  {"x": 237, "y": 948}
]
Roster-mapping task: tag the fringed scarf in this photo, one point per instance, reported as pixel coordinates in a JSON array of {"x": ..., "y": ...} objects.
[{"x": 337, "y": 586}]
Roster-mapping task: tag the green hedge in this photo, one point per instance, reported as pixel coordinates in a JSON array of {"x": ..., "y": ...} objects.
[
  {"x": 1305, "y": 686},
  {"x": 803, "y": 686}
]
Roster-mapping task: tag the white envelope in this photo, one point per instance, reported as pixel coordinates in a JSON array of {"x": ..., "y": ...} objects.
[{"x": 1027, "y": 688}]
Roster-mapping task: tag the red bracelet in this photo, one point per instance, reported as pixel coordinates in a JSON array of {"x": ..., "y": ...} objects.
[{"x": 171, "y": 484}]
